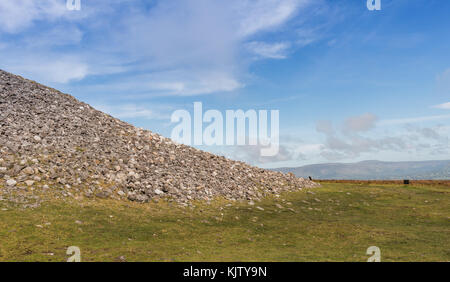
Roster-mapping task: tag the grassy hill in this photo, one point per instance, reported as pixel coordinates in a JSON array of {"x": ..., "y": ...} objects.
[
  {"x": 336, "y": 222},
  {"x": 374, "y": 170}
]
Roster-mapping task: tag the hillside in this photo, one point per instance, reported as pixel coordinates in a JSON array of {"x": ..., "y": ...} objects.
[{"x": 374, "y": 170}]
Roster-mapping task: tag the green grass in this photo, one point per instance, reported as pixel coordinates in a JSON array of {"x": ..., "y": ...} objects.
[{"x": 336, "y": 223}]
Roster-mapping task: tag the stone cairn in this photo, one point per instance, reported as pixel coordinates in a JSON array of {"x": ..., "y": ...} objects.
[{"x": 52, "y": 141}]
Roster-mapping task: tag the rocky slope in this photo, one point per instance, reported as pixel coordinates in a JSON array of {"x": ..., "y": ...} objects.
[{"x": 51, "y": 141}]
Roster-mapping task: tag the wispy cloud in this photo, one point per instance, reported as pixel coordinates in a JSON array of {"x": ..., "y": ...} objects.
[
  {"x": 181, "y": 47},
  {"x": 132, "y": 111},
  {"x": 269, "y": 50},
  {"x": 307, "y": 36},
  {"x": 62, "y": 69},
  {"x": 358, "y": 136},
  {"x": 413, "y": 120},
  {"x": 166, "y": 83},
  {"x": 360, "y": 123},
  {"x": 444, "y": 106},
  {"x": 16, "y": 15},
  {"x": 260, "y": 15}
]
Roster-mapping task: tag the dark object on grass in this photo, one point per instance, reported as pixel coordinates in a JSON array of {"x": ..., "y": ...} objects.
[
  {"x": 310, "y": 178},
  {"x": 406, "y": 181}
]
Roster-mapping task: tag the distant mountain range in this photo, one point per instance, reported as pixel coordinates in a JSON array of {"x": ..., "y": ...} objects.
[{"x": 374, "y": 170}]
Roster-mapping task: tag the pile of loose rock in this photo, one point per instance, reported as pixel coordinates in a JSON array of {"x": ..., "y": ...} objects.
[{"x": 51, "y": 141}]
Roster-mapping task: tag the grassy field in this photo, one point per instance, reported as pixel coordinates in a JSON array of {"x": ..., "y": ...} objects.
[
  {"x": 336, "y": 222},
  {"x": 394, "y": 182}
]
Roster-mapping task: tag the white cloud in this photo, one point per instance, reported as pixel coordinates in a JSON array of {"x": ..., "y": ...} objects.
[
  {"x": 436, "y": 132},
  {"x": 16, "y": 15},
  {"x": 252, "y": 154},
  {"x": 180, "y": 47},
  {"x": 53, "y": 70},
  {"x": 359, "y": 136},
  {"x": 325, "y": 126},
  {"x": 130, "y": 111},
  {"x": 344, "y": 146},
  {"x": 360, "y": 123},
  {"x": 309, "y": 149},
  {"x": 170, "y": 83},
  {"x": 183, "y": 83},
  {"x": 413, "y": 120},
  {"x": 307, "y": 36},
  {"x": 259, "y": 15},
  {"x": 269, "y": 50},
  {"x": 444, "y": 106}
]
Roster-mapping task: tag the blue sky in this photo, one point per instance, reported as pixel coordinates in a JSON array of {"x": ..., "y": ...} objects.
[{"x": 350, "y": 84}]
